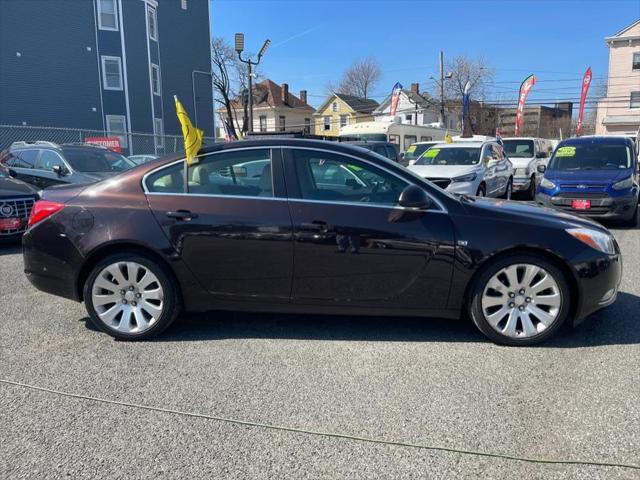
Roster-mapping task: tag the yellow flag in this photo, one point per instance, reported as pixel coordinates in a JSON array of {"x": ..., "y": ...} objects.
[
  {"x": 448, "y": 138},
  {"x": 192, "y": 135}
]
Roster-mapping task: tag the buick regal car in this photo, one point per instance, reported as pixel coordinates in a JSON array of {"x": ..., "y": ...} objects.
[{"x": 321, "y": 228}]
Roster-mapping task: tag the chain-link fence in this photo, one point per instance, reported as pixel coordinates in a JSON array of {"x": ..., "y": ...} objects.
[{"x": 130, "y": 143}]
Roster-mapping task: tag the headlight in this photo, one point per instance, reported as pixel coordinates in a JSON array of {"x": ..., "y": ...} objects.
[
  {"x": 545, "y": 183},
  {"x": 600, "y": 241},
  {"x": 623, "y": 184},
  {"x": 470, "y": 177}
]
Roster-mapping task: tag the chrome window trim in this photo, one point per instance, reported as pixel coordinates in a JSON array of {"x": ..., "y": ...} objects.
[{"x": 442, "y": 208}]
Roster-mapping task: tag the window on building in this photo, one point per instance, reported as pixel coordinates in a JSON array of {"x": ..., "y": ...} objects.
[
  {"x": 344, "y": 120},
  {"x": 117, "y": 127},
  {"x": 155, "y": 79},
  {"x": 111, "y": 73},
  {"x": 408, "y": 118},
  {"x": 282, "y": 123},
  {"x": 634, "y": 100},
  {"x": 152, "y": 22},
  {"x": 158, "y": 130},
  {"x": 425, "y": 139},
  {"x": 307, "y": 125},
  {"x": 327, "y": 123},
  {"x": 107, "y": 18},
  {"x": 183, "y": 4},
  {"x": 263, "y": 123},
  {"x": 636, "y": 61},
  {"x": 335, "y": 107}
]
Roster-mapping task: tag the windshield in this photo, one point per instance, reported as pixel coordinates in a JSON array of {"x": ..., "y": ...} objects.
[
  {"x": 415, "y": 150},
  {"x": 518, "y": 148},
  {"x": 450, "y": 156},
  {"x": 93, "y": 160},
  {"x": 591, "y": 157}
]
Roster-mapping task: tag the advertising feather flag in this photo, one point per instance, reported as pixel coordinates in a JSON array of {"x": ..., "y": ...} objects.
[
  {"x": 526, "y": 86},
  {"x": 586, "y": 81},
  {"x": 395, "y": 98}
]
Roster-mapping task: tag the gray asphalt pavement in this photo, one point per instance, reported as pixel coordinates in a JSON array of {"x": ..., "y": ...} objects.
[{"x": 408, "y": 380}]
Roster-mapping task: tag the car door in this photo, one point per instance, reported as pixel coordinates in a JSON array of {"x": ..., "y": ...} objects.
[
  {"x": 44, "y": 172},
  {"x": 353, "y": 246},
  {"x": 235, "y": 235}
]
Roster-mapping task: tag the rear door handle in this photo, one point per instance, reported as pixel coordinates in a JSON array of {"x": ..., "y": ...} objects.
[
  {"x": 316, "y": 226},
  {"x": 182, "y": 215}
]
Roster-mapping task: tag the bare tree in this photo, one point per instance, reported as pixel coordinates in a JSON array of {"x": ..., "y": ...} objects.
[
  {"x": 223, "y": 61},
  {"x": 360, "y": 78},
  {"x": 463, "y": 69}
]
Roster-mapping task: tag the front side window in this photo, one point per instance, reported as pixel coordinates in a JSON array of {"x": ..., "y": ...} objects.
[
  {"x": 325, "y": 176},
  {"x": 107, "y": 17},
  {"x": 117, "y": 126},
  {"x": 245, "y": 173},
  {"x": 636, "y": 61},
  {"x": 152, "y": 25},
  {"x": 634, "y": 100},
  {"x": 111, "y": 73},
  {"x": 49, "y": 159},
  {"x": 155, "y": 79},
  {"x": 282, "y": 123},
  {"x": 26, "y": 159}
]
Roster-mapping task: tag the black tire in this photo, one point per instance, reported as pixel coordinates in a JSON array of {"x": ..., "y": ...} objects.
[
  {"x": 482, "y": 191},
  {"x": 171, "y": 301},
  {"x": 531, "y": 193},
  {"x": 508, "y": 192},
  {"x": 477, "y": 290},
  {"x": 633, "y": 221}
]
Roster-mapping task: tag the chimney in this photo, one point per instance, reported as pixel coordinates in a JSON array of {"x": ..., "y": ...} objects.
[
  {"x": 303, "y": 96},
  {"x": 285, "y": 93},
  {"x": 415, "y": 88}
]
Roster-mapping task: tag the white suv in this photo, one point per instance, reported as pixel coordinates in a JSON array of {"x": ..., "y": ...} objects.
[
  {"x": 471, "y": 168},
  {"x": 526, "y": 153}
]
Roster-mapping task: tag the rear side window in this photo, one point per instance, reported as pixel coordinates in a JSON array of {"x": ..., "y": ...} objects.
[
  {"x": 167, "y": 180},
  {"x": 26, "y": 159}
]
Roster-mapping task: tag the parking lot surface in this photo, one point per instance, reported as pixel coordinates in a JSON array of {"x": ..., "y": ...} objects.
[{"x": 429, "y": 382}]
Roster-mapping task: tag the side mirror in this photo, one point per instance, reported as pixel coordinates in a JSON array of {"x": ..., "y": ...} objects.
[
  {"x": 401, "y": 155},
  {"x": 542, "y": 168},
  {"x": 58, "y": 170},
  {"x": 414, "y": 197}
]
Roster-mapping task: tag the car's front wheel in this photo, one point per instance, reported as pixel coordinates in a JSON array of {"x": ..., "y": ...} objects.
[
  {"x": 130, "y": 297},
  {"x": 520, "y": 299}
]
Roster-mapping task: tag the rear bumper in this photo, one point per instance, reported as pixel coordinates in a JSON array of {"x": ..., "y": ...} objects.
[
  {"x": 54, "y": 265},
  {"x": 523, "y": 183},
  {"x": 601, "y": 207}
]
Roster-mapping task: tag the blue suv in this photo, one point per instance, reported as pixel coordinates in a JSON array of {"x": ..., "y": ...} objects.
[{"x": 593, "y": 176}]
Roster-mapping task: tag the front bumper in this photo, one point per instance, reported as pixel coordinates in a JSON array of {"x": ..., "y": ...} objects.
[
  {"x": 599, "y": 281},
  {"x": 603, "y": 206},
  {"x": 523, "y": 183}
]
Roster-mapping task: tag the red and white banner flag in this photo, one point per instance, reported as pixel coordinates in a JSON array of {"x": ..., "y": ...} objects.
[
  {"x": 586, "y": 81},
  {"x": 395, "y": 98},
  {"x": 528, "y": 83}
]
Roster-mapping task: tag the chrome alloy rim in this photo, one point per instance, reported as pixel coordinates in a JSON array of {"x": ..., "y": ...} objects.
[
  {"x": 127, "y": 297},
  {"x": 521, "y": 301}
]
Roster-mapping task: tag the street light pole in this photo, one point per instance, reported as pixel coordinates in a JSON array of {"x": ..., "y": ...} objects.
[
  {"x": 442, "y": 88},
  {"x": 239, "y": 41}
]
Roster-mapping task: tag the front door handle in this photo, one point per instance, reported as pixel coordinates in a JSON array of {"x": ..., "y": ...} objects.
[
  {"x": 316, "y": 226},
  {"x": 182, "y": 215}
]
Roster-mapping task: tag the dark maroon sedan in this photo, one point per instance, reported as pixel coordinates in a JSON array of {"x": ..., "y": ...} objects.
[{"x": 306, "y": 226}]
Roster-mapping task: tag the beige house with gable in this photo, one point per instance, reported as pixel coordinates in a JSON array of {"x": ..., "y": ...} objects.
[{"x": 619, "y": 112}]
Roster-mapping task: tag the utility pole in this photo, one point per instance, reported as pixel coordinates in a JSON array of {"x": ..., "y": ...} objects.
[
  {"x": 441, "y": 87},
  {"x": 239, "y": 41}
]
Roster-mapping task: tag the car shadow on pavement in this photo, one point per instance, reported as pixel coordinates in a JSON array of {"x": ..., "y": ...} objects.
[{"x": 10, "y": 248}]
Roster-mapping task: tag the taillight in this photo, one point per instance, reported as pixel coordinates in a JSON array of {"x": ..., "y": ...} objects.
[{"x": 43, "y": 209}]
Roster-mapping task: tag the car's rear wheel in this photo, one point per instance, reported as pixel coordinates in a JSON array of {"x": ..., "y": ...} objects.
[
  {"x": 508, "y": 192},
  {"x": 481, "y": 192},
  {"x": 520, "y": 299},
  {"x": 130, "y": 297},
  {"x": 531, "y": 193}
]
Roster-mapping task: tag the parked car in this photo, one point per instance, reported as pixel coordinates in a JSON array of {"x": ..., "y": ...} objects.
[
  {"x": 386, "y": 149},
  {"x": 470, "y": 168},
  {"x": 526, "y": 153},
  {"x": 44, "y": 164},
  {"x": 140, "y": 159},
  {"x": 593, "y": 176},
  {"x": 414, "y": 151},
  {"x": 16, "y": 200},
  {"x": 388, "y": 243}
]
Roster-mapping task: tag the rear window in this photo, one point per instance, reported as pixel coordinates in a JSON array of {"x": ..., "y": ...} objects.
[
  {"x": 89, "y": 160},
  {"x": 519, "y": 148},
  {"x": 590, "y": 156}
]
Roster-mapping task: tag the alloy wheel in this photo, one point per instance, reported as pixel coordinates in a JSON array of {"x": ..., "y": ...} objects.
[
  {"x": 521, "y": 300},
  {"x": 127, "y": 297}
]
